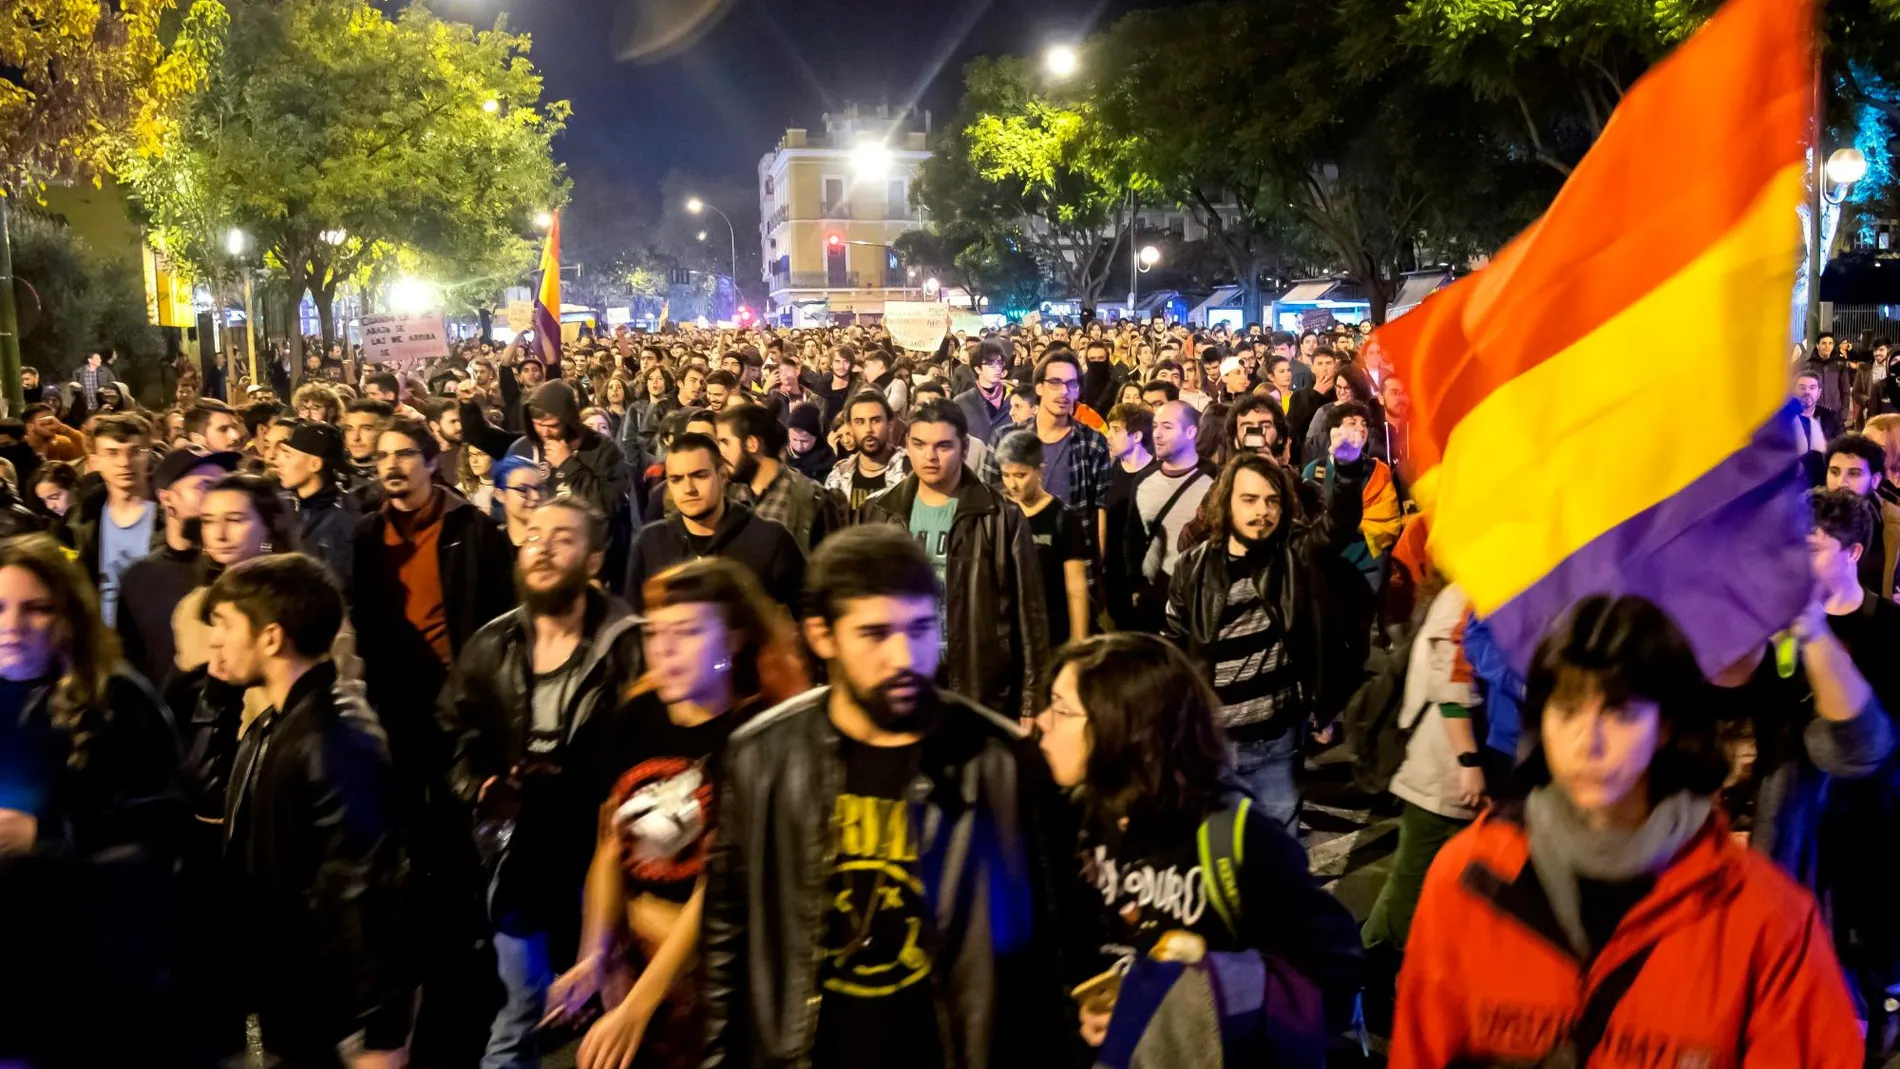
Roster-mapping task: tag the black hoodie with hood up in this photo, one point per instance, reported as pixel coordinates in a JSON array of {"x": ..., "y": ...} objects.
[{"x": 594, "y": 470}]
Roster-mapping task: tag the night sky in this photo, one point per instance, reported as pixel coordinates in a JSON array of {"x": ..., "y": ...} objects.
[{"x": 715, "y": 104}]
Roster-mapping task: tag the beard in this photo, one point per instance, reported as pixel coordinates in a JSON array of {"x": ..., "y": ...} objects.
[
  {"x": 917, "y": 712},
  {"x": 744, "y": 471},
  {"x": 875, "y": 448},
  {"x": 556, "y": 599}
]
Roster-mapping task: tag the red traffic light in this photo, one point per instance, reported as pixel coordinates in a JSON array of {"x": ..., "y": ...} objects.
[{"x": 835, "y": 241}]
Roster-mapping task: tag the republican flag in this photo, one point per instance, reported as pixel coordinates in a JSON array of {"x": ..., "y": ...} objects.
[
  {"x": 547, "y": 302},
  {"x": 1556, "y": 453}
]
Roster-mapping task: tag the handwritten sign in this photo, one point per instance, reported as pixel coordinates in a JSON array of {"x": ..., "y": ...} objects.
[
  {"x": 917, "y": 325},
  {"x": 404, "y": 339},
  {"x": 520, "y": 316}
]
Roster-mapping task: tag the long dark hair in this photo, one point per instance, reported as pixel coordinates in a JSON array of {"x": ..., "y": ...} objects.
[
  {"x": 1217, "y": 508},
  {"x": 768, "y": 664},
  {"x": 87, "y": 649},
  {"x": 1155, "y": 752},
  {"x": 1625, "y": 648}
]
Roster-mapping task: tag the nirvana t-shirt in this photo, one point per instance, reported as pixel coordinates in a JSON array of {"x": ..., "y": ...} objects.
[
  {"x": 878, "y": 1008},
  {"x": 930, "y": 525},
  {"x": 658, "y": 782},
  {"x": 1057, "y": 532}
]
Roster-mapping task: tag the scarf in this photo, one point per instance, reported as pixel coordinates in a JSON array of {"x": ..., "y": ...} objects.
[
  {"x": 1564, "y": 849},
  {"x": 993, "y": 397}
]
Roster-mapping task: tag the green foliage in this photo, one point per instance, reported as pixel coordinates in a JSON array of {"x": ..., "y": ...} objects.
[
  {"x": 353, "y": 146},
  {"x": 85, "y": 303}
]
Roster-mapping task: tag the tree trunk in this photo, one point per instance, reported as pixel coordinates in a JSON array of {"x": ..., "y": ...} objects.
[
  {"x": 299, "y": 282},
  {"x": 326, "y": 315}
]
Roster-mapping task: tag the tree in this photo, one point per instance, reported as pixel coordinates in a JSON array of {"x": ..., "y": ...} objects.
[
  {"x": 353, "y": 147},
  {"x": 992, "y": 269},
  {"x": 1021, "y": 164},
  {"x": 85, "y": 303},
  {"x": 83, "y": 84}
]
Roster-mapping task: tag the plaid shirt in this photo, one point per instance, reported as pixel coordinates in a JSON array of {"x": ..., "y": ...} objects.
[
  {"x": 90, "y": 379},
  {"x": 792, "y": 501},
  {"x": 1089, "y": 473}
]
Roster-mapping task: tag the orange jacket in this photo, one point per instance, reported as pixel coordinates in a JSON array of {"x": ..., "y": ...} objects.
[{"x": 1742, "y": 972}]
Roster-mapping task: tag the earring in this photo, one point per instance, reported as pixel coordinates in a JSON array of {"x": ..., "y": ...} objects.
[
  {"x": 722, "y": 665},
  {"x": 264, "y": 548}
]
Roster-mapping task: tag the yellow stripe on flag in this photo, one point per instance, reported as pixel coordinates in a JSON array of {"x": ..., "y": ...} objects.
[{"x": 1600, "y": 432}]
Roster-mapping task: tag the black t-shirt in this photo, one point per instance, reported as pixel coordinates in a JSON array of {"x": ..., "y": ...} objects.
[
  {"x": 658, "y": 782},
  {"x": 1057, "y": 532},
  {"x": 878, "y": 1006},
  {"x": 864, "y": 487},
  {"x": 1871, "y": 634}
]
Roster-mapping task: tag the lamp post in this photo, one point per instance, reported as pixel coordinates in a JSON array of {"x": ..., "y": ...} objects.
[
  {"x": 235, "y": 242},
  {"x": 1842, "y": 169},
  {"x": 695, "y": 206},
  {"x": 9, "y": 321},
  {"x": 1061, "y": 61}
]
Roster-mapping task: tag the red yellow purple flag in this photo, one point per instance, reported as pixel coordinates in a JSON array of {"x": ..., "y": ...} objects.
[
  {"x": 1554, "y": 454},
  {"x": 547, "y": 302}
]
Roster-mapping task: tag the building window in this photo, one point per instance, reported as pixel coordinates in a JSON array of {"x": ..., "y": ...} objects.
[
  {"x": 896, "y": 199},
  {"x": 768, "y": 185},
  {"x": 834, "y": 198}
]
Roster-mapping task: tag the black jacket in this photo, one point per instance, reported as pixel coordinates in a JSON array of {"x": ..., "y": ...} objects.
[
  {"x": 1289, "y": 573},
  {"x": 1301, "y": 409},
  {"x": 996, "y": 622},
  {"x": 595, "y": 469},
  {"x": 765, "y": 547},
  {"x": 399, "y": 668},
  {"x": 985, "y": 849},
  {"x": 79, "y": 529},
  {"x": 329, "y": 518},
  {"x": 984, "y": 421},
  {"x": 318, "y": 867},
  {"x": 486, "y": 709}
]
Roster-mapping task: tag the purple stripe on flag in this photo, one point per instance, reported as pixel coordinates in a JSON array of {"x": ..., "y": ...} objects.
[
  {"x": 547, "y": 338},
  {"x": 1727, "y": 557}
]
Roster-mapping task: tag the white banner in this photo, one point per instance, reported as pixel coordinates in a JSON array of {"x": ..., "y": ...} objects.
[
  {"x": 917, "y": 325},
  {"x": 520, "y": 316},
  {"x": 404, "y": 339}
]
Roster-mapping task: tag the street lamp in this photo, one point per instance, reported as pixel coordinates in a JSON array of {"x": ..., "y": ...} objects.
[
  {"x": 701, "y": 236},
  {"x": 1832, "y": 182},
  {"x": 235, "y": 242},
  {"x": 543, "y": 220},
  {"x": 695, "y": 206},
  {"x": 1061, "y": 61},
  {"x": 1150, "y": 256},
  {"x": 491, "y": 106},
  {"x": 871, "y": 159},
  {"x": 931, "y": 286},
  {"x": 334, "y": 237},
  {"x": 411, "y": 295}
]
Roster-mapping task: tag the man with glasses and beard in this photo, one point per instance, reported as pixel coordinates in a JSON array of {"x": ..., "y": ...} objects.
[
  {"x": 908, "y": 821},
  {"x": 521, "y": 688}
]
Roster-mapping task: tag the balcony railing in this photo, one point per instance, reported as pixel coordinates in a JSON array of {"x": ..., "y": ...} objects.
[{"x": 838, "y": 209}]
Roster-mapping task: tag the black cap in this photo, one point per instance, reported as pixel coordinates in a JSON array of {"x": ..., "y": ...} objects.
[
  {"x": 318, "y": 440},
  {"x": 184, "y": 459}
]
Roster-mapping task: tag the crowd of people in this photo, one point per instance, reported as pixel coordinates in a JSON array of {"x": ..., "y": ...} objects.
[{"x": 781, "y": 697}]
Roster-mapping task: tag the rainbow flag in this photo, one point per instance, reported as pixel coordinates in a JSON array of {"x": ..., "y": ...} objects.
[
  {"x": 547, "y": 302},
  {"x": 1559, "y": 451}
]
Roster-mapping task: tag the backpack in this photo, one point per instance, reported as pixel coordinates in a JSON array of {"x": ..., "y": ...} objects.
[{"x": 1373, "y": 733}]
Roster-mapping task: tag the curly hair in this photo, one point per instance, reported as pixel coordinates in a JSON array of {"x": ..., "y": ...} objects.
[{"x": 86, "y": 648}]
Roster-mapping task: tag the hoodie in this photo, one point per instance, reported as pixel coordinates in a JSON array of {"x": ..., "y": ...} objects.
[
  {"x": 762, "y": 545},
  {"x": 595, "y": 470}
]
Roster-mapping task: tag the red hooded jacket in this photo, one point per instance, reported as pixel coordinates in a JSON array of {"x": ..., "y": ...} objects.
[{"x": 1740, "y": 970}]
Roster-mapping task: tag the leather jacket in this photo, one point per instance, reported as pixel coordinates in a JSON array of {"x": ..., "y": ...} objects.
[
  {"x": 486, "y": 708},
  {"x": 996, "y": 623},
  {"x": 318, "y": 867},
  {"x": 1290, "y": 572},
  {"x": 987, "y": 801}
]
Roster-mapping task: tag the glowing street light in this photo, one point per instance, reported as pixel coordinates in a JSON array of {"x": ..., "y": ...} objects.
[
  {"x": 1061, "y": 61},
  {"x": 543, "y": 220},
  {"x": 1846, "y": 166},
  {"x": 491, "y": 106},
  {"x": 871, "y": 159},
  {"x": 702, "y": 235},
  {"x": 334, "y": 237},
  {"x": 234, "y": 241},
  {"x": 695, "y": 205},
  {"x": 411, "y": 295},
  {"x": 1150, "y": 256}
]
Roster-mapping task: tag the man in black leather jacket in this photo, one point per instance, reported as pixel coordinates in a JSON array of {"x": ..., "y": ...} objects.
[
  {"x": 994, "y": 608},
  {"x": 310, "y": 839},
  {"x": 521, "y": 688},
  {"x": 878, "y": 890}
]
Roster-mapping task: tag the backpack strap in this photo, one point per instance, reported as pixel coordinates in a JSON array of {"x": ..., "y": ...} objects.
[{"x": 1222, "y": 846}]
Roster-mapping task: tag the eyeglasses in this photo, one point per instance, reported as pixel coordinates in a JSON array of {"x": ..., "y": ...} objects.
[
  {"x": 398, "y": 454},
  {"x": 530, "y": 489},
  {"x": 1071, "y": 385}
]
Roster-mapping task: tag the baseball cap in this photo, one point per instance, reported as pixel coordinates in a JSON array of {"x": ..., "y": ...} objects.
[
  {"x": 184, "y": 459},
  {"x": 317, "y": 440},
  {"x": 1230, "y": 365}
]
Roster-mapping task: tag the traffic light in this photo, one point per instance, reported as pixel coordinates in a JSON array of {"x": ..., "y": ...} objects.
[{"x": 835, "y": 242}]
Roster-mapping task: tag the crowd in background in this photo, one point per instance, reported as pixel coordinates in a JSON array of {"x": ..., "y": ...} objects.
[{"x": 447, "y": 714}]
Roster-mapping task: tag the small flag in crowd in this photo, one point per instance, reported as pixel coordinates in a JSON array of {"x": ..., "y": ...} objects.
[
  {"x": 547, "y": 302},
  {"x": 1551, "y": 465}
]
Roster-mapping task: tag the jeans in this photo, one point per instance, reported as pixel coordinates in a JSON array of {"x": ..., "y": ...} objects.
[
  {"x": 526, "y": 973},
  {"x": 1266, "y": 768}
]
